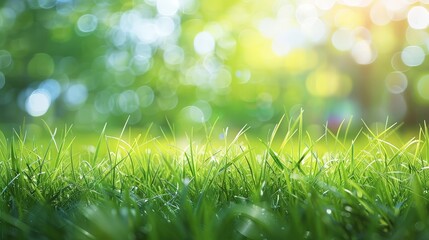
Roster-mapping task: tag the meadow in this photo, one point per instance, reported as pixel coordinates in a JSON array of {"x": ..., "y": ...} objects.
[{"x": 226, "y": 184}]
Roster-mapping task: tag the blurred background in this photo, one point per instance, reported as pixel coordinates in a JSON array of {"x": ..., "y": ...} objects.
[{"x": 88, "y": 62}]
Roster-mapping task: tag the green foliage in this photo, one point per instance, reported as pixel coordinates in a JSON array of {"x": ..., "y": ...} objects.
[
  {"x": 373, "y": 186},
  {"x": 193, "y": 61}
]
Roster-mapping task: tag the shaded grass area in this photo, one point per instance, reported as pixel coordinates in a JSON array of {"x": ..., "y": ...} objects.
[{"x": 373, "y": 185}]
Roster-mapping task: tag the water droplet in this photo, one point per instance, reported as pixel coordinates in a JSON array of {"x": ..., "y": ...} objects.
[
  {"x": 186, "y": 181},
  {"x": 348, "y": 208}
]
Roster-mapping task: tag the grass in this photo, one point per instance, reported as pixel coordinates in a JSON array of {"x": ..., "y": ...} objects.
[{"x": 369, "y": 184}]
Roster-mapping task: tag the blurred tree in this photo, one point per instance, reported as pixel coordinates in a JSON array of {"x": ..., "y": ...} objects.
[{"x": 89, "y": 62}]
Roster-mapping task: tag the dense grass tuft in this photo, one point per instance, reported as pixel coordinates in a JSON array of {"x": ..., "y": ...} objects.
[{"x": 372, "y": 185}]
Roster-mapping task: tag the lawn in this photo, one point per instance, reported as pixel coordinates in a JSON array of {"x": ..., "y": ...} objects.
[
  {"x": 370, "y": 183},
  {"x": 183, "y": 119}
]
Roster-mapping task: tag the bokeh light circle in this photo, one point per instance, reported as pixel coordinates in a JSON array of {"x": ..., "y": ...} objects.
[
  {"x": 418, "y": 17},
  {"x": 38, "y": 103},
  {"x": 396, "y": 82},
  {"x": 128, "y": 101},
  {"x": 87, "y": 23},
  {"x": 52, "y": 86},
  {"x": 167, "y": 7},
  {"x": 324, "y": 4},
  {"x": 363, "y": 53},
  {"x": 204, "y": 43},
  {"x": 306, "y": 11},
  {"x": 343, "y": 39},
  {"x": 194, "y": 114},
  {"x": 164, "y": 26},
  {"x": 76, "y": 94},
  {"x": 174, "y": 55},
  {"x": 380, "y": 15},
  {"x": 413, "y": 56},
  {"x": 397, "y": 63},
  {"x": 5, "y": 59},
  {"x": 146, "y": 96}
]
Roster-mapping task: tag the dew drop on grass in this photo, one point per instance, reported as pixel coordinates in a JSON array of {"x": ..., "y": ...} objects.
[
  {"x": 329, "y": 211},
  {"x": 307, "y": 234},
  {"x": 348, "y": 208},
  {"x": 91, "y": 149},
  {"x": 360, "y": 195},
  {"x": 221, "y": 136},
  {"x": 186, "y": 181}
]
